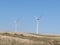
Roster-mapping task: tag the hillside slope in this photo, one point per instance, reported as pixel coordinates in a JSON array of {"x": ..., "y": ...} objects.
[{"x": 11, "y": 38}]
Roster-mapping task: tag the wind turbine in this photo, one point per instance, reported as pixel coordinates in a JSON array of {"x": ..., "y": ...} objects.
[
  {"x": 37, "y": 24},
  {"x": 16, "y": 24}
]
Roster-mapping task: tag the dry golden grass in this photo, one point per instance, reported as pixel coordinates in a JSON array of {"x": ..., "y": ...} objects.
[{"x": 11, "y": 38}]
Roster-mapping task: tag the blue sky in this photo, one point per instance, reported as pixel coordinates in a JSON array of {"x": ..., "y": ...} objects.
[{"x": 25, "y": 10}]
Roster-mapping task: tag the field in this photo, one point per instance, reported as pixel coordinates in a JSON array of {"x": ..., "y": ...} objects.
[{"x": 11, "y": 38}]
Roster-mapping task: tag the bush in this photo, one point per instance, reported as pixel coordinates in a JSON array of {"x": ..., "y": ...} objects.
[
  {"x": 15, "y": 34},
  {"x": 6, "y": 34},
  {"x": 21, "y": 35}
]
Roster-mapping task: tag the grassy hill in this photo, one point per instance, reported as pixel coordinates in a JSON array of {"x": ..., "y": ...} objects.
[{"x": 11, "y": 38}]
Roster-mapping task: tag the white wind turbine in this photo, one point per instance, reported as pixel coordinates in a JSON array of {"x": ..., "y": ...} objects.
[
  {"x": 37, "y": 24},
  {"x": 16, "y": 24}
]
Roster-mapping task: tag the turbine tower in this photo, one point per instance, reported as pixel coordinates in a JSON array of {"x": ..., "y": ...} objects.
[
  {"x": 16, "y": 24},
  {"x": 37, "y": 24}
]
